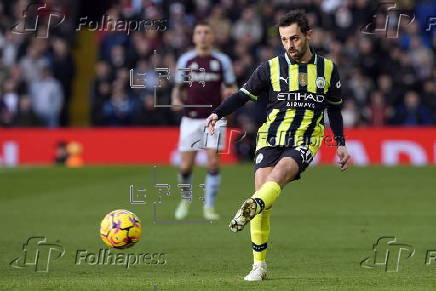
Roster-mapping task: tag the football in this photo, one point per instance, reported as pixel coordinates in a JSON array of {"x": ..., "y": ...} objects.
[{"x": 120, "y": 229}]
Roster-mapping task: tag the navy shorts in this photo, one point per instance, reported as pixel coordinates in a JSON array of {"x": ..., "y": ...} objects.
[{"x": 270, "y": 156}]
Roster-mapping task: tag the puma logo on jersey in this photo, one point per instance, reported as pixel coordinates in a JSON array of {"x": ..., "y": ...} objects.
[{"x": 286, "y": 80}]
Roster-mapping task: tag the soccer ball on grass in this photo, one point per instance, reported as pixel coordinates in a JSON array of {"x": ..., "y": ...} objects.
[{"x": 120, "y": 229}]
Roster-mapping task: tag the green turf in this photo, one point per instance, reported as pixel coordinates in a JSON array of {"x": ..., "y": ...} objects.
[{"x": 322, "y": 227}]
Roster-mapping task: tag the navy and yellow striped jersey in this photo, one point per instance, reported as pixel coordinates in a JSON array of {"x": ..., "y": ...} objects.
[{"x": 297, "y": 96}]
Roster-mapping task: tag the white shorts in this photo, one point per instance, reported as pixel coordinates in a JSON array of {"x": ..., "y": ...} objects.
[{"x": 194, "y": 135}]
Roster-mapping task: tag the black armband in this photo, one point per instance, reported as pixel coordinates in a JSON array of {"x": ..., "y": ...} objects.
[
  {"x": 336, "y": 124},
  {"x": 232, "y": 103}
]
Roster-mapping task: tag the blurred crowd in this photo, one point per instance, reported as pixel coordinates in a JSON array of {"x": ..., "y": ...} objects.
[
  {"x": 36, "y": 74},
  {"x": 387, "y": 80}
]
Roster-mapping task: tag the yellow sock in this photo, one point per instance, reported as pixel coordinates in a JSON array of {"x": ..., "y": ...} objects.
[
  {"x": 268, "y": 193},
  {"x": 260, "y": 229}
]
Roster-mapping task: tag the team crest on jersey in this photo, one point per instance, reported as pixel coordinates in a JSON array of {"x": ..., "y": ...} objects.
[
  {"x": 214, "y": 65},
  {"x": 302, "y": 79},
  {"x": 320, "y": 82}
]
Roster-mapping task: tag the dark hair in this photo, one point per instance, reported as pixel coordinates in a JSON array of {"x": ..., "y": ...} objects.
[
  {"x": 295, "y": 17},
  {"x": 202, "y": 23}
]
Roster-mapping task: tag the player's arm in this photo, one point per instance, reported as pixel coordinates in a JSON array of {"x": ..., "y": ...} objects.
[
  {"x": 229, "y": 86},
  {"x": 257, "y": 83},
  {"x": 334, "y": 99},
  {"x": 178, "y": 95}
]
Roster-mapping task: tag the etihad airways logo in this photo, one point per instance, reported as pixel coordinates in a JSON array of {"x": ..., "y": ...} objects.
[{"x": 295, "y": 99}]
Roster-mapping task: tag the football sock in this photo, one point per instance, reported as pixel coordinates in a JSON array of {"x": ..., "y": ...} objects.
[
  {"x": 212, "y": 183},
  {"x": 266, "y": 195},
  {"x": 259, "y": 230},
  {"x": 185, "y": 178}
]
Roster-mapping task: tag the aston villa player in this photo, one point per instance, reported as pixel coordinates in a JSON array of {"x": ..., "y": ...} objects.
[{"x": 211, "y": 78}]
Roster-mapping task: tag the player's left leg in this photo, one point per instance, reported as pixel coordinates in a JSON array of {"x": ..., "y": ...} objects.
[
  {"x": 213, "y": 145},
  {"x": 269, "y": 182},
  {"x": 191, "y": 134},
  {"x": 259, "y": 231},
  {"x": 212, "y": 184}
]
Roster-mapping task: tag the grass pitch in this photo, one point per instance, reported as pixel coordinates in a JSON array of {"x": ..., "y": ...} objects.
[{"x": 322, "y": 228}]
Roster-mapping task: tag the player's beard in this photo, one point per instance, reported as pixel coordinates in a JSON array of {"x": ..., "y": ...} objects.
[{"x": 297, "y": 58}]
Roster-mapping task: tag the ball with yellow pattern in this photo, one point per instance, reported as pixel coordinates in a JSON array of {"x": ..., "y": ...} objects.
[{"x": 120, "y": 229}]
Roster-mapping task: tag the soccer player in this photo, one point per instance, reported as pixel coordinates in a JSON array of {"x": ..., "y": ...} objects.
[
  {"x": 299, "y": 85},
  {"x": 211, "y": 77}
]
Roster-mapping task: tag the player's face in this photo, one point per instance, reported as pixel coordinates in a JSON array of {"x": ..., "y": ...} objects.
[
  {"x": 295, "y": 42},
  {"x": 203, "y": 37}
]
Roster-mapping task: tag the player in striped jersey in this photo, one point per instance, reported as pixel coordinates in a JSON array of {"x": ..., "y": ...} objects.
[{"x": 299, "y": 85}]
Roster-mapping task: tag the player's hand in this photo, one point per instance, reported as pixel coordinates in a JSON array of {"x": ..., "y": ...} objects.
[
  {"x": 177, "y": 104},
  {"x": 210, "y": 123},
  {"x": 344, "y": 158}
]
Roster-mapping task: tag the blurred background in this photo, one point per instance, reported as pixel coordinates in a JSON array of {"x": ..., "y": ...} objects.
[{"x": 72, "y": 85}]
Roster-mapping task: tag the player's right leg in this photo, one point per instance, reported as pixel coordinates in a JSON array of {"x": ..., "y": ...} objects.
[
  {"x": 287, "y": 166},
  {"x": 282, "y": 173},
  {"x": 191, "y": 133},
  {"x": 185, "y": 177}
]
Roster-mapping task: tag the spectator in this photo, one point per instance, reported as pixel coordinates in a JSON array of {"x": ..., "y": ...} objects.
[
  {"x": 3, "y": 70},
  {"x": 360, "y": 86},
  {"x": 10, "y": 47},
  {"x": 378, "y": 113},
  {"x": 429, "y": 96},
  {"x": 221, "y": 25},
  {"x": 63, "y": 70},
  {"x": 5, "y": 115},
  {"x": 148, "y": 115},
  {"x": 387, "y": 90},
  {"x": 350, "y": 114},
  {"x": 119, "y": 110},
  {"x": 412, "y": 112},
  {"x": 10, "y": 96},
  {"x": 61, "y": 154},
  {"x": 101, "y": 91},
  {"x": 25, "y": 116},
  {"x": 47, "y": 98},
  {"x": 33, "y": 63},
  {"x": 249, "y": 26},
  {"x": 112, "y": 37},
  {"x": 370, "y": 65},
  {"x": 16, "y": 76}
]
